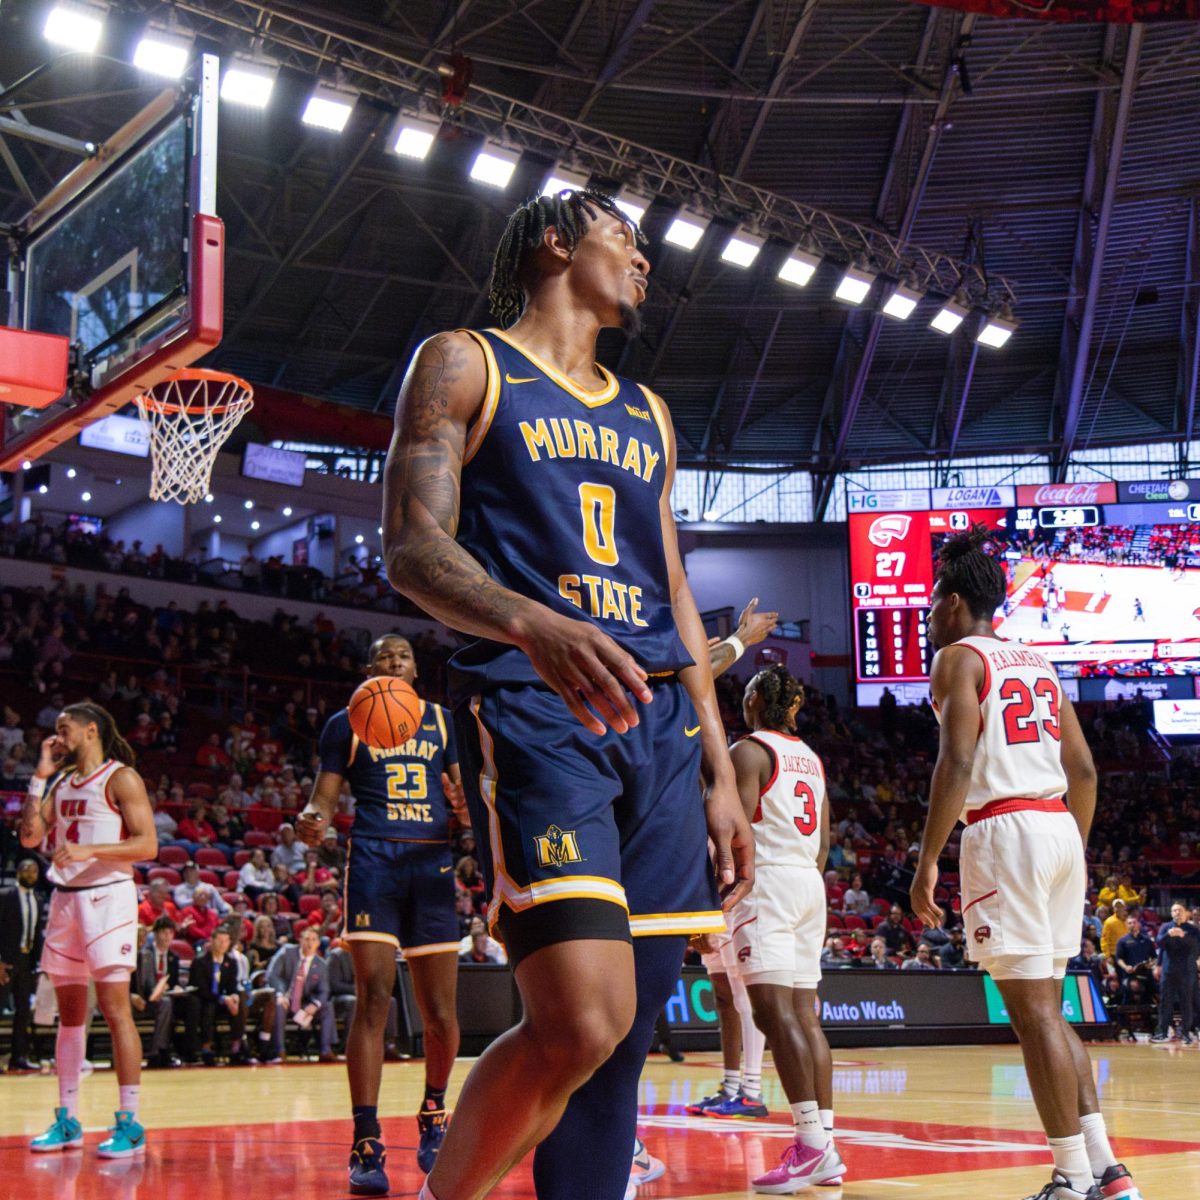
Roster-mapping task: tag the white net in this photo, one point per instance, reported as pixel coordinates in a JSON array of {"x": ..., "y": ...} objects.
[{"x": 190, "y": 414}]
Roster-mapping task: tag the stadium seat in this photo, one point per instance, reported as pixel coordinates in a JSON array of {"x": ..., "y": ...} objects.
[
  {"x": 203, "y": 791},
  {"x": 852, "y": 921},
  {"x": 285, "y": 905},
  {"x": 232, "y": 880},
  {"x": 173, "y": 856},
  {"x": 168, "y": 873},
  {"x": 232, "y": 896},
  {"x": 208, "y": 856},
  {"x": 833, "y": 921},
  {"x": 309, "y": 904},
  {"x": 211, "y": 878},
  {"x": 257, "y": 837},
  {"x": 184, "y": 949},
  {"x": 241, "y": 858}
]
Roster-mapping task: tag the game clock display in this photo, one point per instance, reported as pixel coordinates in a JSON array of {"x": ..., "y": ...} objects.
[{"x": 1103, "y": 581}]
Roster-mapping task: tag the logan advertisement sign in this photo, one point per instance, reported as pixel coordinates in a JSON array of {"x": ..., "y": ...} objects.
[{"x": 1041, "y": 495}]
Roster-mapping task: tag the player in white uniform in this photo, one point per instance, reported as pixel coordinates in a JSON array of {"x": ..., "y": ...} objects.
[
  {"x": 779, "y": 928},
  {"x": 1014, "y": 767},
  {"x": 98, "y": 820}
]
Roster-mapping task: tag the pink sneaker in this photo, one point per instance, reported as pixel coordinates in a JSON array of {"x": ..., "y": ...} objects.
[{"x": 801, "y": 1167}]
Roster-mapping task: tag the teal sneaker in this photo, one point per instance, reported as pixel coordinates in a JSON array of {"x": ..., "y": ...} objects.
[
  {"x": 64, "y": 1134},
  {"x": 128, "y": 1137}
]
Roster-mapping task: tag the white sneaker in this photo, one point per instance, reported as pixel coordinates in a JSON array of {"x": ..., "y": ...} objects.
[
  {"x": 1060, "y": 1189},
  {"x": 631, "y": 1190},
  {"x": 646, "y": 1168}
]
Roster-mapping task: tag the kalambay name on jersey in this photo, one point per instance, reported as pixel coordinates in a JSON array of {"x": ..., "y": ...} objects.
[
  {"x": 560, "y": 497},
  {"x": 1018, "y": 755}
]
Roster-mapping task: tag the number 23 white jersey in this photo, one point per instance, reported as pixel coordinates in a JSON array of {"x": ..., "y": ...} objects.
[
  {"x": 787, "y": 822},
  {"x": 1018, "y": 755}
]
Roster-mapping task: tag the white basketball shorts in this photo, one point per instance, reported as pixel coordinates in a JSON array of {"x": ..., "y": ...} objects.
[
  {"x": 721, "y": 961},
  {"x": 1023, "y": 882},
  {"x": 92, "y": 933},
  {"x": 779, "y": 929}
]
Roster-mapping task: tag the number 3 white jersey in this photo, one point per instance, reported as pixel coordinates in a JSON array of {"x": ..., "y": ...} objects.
[
  {"x": 1018, "y": 756},
  {"x": 84, "y": 815},
  {"x": 787, "y": 822}
]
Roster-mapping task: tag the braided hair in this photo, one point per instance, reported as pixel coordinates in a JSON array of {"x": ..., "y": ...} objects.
[
  {"x": 570, "y": 213},
  {"x": 112, "y": 744},
  {"x": 778, "y": 690},
  {"x": 965, "y": 567}
]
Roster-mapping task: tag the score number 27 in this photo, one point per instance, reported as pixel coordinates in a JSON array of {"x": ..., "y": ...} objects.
[{"x": 890, "y": 565}]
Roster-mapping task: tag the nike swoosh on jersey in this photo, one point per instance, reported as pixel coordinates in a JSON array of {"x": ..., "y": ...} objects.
[
  {"x": 691, "y": 732},
  {"x": 509, "y": 379},
  {"x": 443, "y": 870}
]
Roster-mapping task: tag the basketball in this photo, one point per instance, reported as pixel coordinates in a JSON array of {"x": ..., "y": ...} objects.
[{"x": 384, "y": 712}]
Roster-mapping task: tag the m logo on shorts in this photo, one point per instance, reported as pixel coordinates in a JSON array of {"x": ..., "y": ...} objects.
[
  {"x": 557, "y": 847},
  {"x": 983, "y": 933},
  {"x": 362, "y": 920}
]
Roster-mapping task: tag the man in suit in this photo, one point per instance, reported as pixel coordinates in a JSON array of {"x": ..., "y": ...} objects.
[
  {"x": 300, "y": 978},
  {"x": 215, "y": 977},
  {"x": 155, "y": 989},
  {"x": 22, "y": 916}
]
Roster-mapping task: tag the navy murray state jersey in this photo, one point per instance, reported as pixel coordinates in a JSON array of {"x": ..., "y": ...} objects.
[
  {"x": 560, "y": 502},
  {"x": 397, "y": 793}
]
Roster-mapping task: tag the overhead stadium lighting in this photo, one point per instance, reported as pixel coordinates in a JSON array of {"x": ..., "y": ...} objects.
[
  {"x": 287, "y": 510},
  {"x": 75, "y": 25},
  {"x": 686, "y": 229},
  {"x": 799, "y": 267},
  {"x": 42, "y": 489},
  {"x": 162, "y": 53},
  {"x": 563, "y": 179},
  {"x": 632, "y": 204},
  {"x": 903, "y": 301},
  {"x": 494, "y": 165},
  {"x": 855, "y": 284},
  {"x": 742, "y": 248},
  {"x": 329, "y": 108},
  {"x": 997, "y": 329},
  {"x": 256, "y": 525},
  {"x": 950, "y": 316},
  {"x": 217, "y": 519},
  {"x": 249, "y": 83},
  {"x": 85, "y": 497},
  {"x": 413, "y": 137}
]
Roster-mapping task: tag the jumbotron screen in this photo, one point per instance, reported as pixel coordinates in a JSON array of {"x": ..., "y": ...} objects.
[{"x": 1104, "y": 578}]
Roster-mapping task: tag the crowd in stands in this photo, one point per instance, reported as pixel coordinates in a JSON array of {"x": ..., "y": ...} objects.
[
  {"x": 359, "y": 582},
  {"x": 227, "y": 747}
]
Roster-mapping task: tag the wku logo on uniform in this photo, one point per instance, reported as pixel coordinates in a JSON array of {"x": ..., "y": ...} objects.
[
  {"x": 743, "y": 954},
  {"x": 983, "y": 933},
  {"x": 886, "y": 530}
]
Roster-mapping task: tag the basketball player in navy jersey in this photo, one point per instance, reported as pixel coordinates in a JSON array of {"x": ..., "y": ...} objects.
[
  {"x": 399, "y": 896},
  {"x": 527, "y": 503}
]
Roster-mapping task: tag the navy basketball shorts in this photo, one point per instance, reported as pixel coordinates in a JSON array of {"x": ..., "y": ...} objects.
[
  {"x": 583, "y": 836},
  {"x": 401, "y": 893}
]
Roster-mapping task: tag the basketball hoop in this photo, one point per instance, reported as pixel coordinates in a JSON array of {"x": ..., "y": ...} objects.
[{"x": 190, "y": 415}]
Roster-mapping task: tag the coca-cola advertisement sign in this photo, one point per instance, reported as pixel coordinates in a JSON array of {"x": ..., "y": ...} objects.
[{"x": 1041, "y": 495}]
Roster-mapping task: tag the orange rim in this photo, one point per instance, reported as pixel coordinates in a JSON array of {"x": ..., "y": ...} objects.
[{"x": 196, "y": 375}]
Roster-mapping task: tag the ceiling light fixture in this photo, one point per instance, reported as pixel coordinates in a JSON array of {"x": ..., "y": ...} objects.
[
  {"x": 902, "y": 303},
  {"x": 742, "y": 248},
  {"x": 329, "y": 109},
  {"x": 494, "y": 165},
  {"x": 855, "y": 284},
  {"x": 249, "y": 83},
  {"x": 950, "y": 316},
  {"x": 162, "y": 53},
  {"x": 686, "y": 230},
  {"x": 75, "y": 25}
]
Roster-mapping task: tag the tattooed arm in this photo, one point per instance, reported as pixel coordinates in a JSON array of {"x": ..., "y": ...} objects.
[{"x": 440, "y": 397}]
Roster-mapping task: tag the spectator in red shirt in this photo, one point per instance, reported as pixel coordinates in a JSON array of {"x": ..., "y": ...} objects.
[
  {"x": 195, "y": 830},
  {"x": 327, "y": 920},
  {"x": 265, "y": 767},
  {"x": 143, "y": 733},
  {"x": 198, "y": 921},
  {"x": 212, "y": 755},
  {"x": 313, "y": 878},
  {"x": 157, "y": 904}
]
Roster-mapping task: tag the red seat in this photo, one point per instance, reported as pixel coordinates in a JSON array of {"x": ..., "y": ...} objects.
[
  {"x": 205, "y": 791},
  {"x": 184, "y": 949},
  {"x": 168, "y": 873},
  {"x": 285, "y": 905},
  {"x": 309, "y": 904},
  {"x": 233, "y": 880},
  {"x": 211, "y": 878},
  {"x": 834, "y": 921},
  {"x": 173, "y": 856},
  {"x": 232, "y": 896},
  {"x": 208, "y": 856},
  {"x": 853, "y": 921},
  {"x": 241, "y": 858},
  {"x": 257, "y": 837}
]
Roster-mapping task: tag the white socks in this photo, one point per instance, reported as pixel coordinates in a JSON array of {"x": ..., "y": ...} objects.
[
  {"x": 808, "y": 1126},
  {"x": 1099, "y": 1152},
  {"x": 1071, "y": 1158},
  {"x": 729, "y": 1083},
  {"x": 752, "y": 1084},
  {"x": 69, "y": 1048},
  {"x": 826, "y": 1115},
  {"x": 129, "y": 1098}
]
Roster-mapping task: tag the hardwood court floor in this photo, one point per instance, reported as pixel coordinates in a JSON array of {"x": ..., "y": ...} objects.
[{"x": 933, "y": 1122}]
